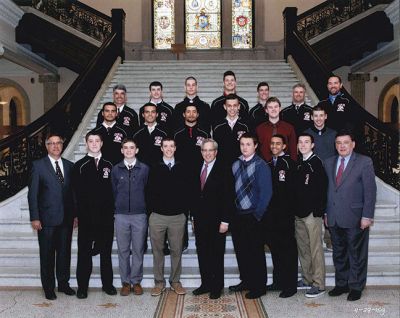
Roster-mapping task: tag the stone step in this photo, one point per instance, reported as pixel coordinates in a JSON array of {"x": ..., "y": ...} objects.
[{"x": 30, "y": 276}]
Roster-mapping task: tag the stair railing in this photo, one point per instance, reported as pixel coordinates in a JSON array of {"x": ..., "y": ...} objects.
[
  {"x": 74, "y": 14},
  {"x": 19, "y": 150},
  {"x": 379, "y": 141},
  {"x": 331, "y": 13}
]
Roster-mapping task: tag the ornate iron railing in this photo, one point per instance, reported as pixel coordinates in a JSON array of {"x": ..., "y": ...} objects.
[
  {"x": 76, "y": 15},
  {"x": 376, "y": 139},
  {"x": 331, "y": 13},
  {"x": 19, "y": 150}
]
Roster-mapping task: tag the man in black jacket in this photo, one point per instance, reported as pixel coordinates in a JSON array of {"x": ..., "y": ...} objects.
[
  {"x": 127, "y": 118},
  {"x": 168, "y": 203},
  {"x": 91, "y": 180},
  {"x": 279, "y": 221},
  {"x": 149, "y": 136},
  {"x": 218, "y": 113},
  {"x": 211, "y": 209},
  {"x": 229, "y": 131},
  {"x": 111, "y": 133},
  {"x": 257, "y": 114},
  {"x": 192, "y": 99},
  {"x": 311, "y": 184}
]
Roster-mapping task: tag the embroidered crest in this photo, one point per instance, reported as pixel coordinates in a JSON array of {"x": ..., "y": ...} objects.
[
  {"x": 157, "y": 141},
  {"x": 307, "y": 178},
  {"x": 163, "y": 116},
  {"x": 340, "y": 107},
  {"x": 127, "y": 121},
  {"x": 282, "y": 175},
  {"x": 307, "y": 116},
  {"x": 118, "y": 137},
  {"x": 240, "y": 133},
  {"x": 199, "y": 141},
  {"x": 106, "y": 173}
]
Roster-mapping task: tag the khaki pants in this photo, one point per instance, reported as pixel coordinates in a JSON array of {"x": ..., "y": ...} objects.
[
  {"x": 174, "y": 226},
  {"x": 311, "y": 253}
]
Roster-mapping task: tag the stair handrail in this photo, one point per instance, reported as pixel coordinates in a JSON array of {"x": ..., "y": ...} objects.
[
  {"x": 19, "y": 150},
  {"x": 331, "y": 13},
  {"x": 381, "y": 141},
  {"x": 75, "y": 14}
]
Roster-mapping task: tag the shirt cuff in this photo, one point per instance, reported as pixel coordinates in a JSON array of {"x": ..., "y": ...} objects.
[
  {"x": 372, "y": 220},
  {"x": 224, "y": 223}
]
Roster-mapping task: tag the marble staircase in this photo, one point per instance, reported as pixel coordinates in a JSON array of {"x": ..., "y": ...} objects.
[{"x": 19, "y": 255}]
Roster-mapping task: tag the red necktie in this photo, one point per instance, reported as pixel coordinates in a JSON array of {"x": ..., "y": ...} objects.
[
  {"x": 203, "y": 176},
  {"x": 190, "y": 132},
  {"x": 340, "y": 171}
]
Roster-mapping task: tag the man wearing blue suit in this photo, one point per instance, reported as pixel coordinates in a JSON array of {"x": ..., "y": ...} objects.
[
  {"x": 51, "y": 214},
  {"x": 349, "y": 214}
]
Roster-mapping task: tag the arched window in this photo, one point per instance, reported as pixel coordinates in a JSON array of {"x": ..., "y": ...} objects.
[
  {"x": 242, "y": 24},
  {"x": 164, "y": 23},
  {"x": 203, "y": 24}
]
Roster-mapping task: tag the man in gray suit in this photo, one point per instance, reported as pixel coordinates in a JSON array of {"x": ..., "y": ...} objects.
[
  {"x": 349, "y": 214},
  {"x": 51, "y": 214}
]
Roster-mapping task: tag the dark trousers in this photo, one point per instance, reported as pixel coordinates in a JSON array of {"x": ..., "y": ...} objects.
[
  {"x": 55, "y": 250},
  {"x": 350, "y": 256},
  {"x": 210, "y": 245},
  {"x": 248, "y": 242},
  {"x": 283, "y": 247},
  {"x": 85, "y": 245}
]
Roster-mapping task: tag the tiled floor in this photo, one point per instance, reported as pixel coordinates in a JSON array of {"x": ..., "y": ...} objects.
[{"x": 30, "y": 302}]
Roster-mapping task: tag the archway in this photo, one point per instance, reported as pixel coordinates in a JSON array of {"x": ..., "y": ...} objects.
[{"x": 389, "y": 102}]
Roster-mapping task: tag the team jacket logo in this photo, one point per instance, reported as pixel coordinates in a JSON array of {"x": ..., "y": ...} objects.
[
  {"x": 340, "y": 107},
  {"x": 164, "y": 116},
  {"x": 199, "y": 141},
  {"x": 282, "y": 175},
  {"x": 307, "y": 116},
  {"x": 240, "y": 133},
  {"x": 127, "y": 121},
  {"x": 106, "y": 173},
  {"x": 118, "y": 137},
  {"x": 307, "y": 179},
  {"x": 157, "y": 141}
]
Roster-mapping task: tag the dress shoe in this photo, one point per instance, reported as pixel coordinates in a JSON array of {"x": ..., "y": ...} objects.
[
  {"x": 109, "y": 290},
  {"x": 273, "y": 287},
  {"x": 338, "y": 290},
  {"x": 50, "y": 294},
  {"x": 215, "y": 294},
  {"x": 354, "y": 295},
  {"x": 137, "y": 289},
  {"x": 125, "y": 290},
  {"x": 178, "y": 288},
  {"x": 287, "y": 293},
  {"x": 255, "y": 294},
  {"x": 81, "y": 294},
  {"x": 200, "y": 291},
  {"x": 67, "y": 290},
  {"x": 237, "y": 288}
]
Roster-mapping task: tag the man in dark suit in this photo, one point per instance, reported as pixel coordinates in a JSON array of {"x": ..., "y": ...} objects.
[
  {"x": 51, "y": 214},
  {"x": 349, "y": 214},
  {"x": 212, "y": 203}
]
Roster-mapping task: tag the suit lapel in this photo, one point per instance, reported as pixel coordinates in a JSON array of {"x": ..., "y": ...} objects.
[
  {"x": 348, "y": 169},
  {"x": 50, "y": 168}
]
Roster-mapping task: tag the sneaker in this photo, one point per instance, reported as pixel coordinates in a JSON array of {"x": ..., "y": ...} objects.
[
  {"x": 177, "y": 288},
  {"x": 301, "y": 284},
  {"x": 314, "y": 291},
  {"x": 157, "y": 290}
]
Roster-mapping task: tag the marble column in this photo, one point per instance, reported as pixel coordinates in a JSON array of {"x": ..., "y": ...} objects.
[
  {"x": 357, "y": 85},
  {"x": 50, "y": 90}
]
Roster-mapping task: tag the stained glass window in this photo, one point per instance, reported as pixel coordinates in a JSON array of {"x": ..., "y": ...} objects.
[
  {"x": 203, "y": 24},
  {"x": 242, "y": 24},
  {"x": 164, "y": 24}
]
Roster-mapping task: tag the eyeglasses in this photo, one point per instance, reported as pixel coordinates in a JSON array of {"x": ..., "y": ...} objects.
[{"x": 57, "y": 143}]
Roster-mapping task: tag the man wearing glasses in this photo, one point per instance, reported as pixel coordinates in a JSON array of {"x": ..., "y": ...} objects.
[{"x": 52, "y": 216}]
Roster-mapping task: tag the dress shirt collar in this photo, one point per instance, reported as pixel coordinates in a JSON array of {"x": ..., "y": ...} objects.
[
  {"x": 127, "y": 164},
  {"x": 53, "y": 163},
  {"x": 319, "y": 132},
  {"x": 111, "y": 126},
  {"x": 247, "y": 159},
  {"x": 151, "y": 129},
  {"x": 232, "y": 123},
  {"x": 167, "y": 161},
  {"x": 308, "y": 156},
  {"x": 95, "y": 157}
]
